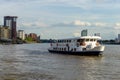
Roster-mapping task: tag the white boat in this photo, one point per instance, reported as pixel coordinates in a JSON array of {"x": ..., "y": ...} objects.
[{"x": 85, "y": 45}]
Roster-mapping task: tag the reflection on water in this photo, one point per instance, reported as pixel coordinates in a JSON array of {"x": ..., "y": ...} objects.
[{"x": 34, "y": 62}]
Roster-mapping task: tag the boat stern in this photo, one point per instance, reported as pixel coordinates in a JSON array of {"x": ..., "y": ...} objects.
[{"x": 99, "y": 48}]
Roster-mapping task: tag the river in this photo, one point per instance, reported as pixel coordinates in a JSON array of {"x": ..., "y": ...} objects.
[{"x": 34, "y": 62}]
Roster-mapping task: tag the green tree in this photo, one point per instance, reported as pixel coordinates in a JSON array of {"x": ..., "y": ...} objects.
[{"x": 29, "y": 39}]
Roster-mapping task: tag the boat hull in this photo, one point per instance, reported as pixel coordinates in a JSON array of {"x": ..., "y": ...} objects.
[{"x": 92, "y": 53}]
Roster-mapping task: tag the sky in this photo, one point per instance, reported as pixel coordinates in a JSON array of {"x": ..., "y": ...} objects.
[{"x": 53, "y": 19}]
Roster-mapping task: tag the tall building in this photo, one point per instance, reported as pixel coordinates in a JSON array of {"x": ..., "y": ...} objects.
[
  {"x": 117, "y": 40},
  {"x": 10, "y": 22},
  {"x": 38, "y": 39},
  {"x": 84, "y": 32},
  {"x": 118, "y": 37},
  {"x": 4, "y": 33},
  {"x": 21, "y": 34}
]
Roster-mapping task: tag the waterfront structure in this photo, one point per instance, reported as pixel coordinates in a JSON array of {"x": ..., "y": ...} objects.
[
  {"x": 33, "y": 36},
  {"x": 26, "y": 35},
  {"x": 85, "y": 45},
  {"x": 38, "y": 39},
  {"x": 84, "y": 32},
  {"x": 11, "y": 23},
  {"x": 21, "y": 34},
  {"x": 118, "y": 37},
  {"x": 117, "y": 40},
  {"x": 4, "y": 32}
]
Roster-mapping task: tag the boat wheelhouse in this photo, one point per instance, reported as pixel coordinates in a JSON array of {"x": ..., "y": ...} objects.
[{"x": 86, "y": 45}]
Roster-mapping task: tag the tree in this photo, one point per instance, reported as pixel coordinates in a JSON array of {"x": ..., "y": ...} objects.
[{"x": 29, "y": 39}]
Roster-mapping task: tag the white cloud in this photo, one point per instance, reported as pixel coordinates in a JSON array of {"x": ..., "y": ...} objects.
[
  {"x": 117, "y": 26},
  {"x": 76, "y": 34},
  {"x": 34, "y": 24},
  {"x": 99, "y": 24},
  {"x": 81, "y": 23}
]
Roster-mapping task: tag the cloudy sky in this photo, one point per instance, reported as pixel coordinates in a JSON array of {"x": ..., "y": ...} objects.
[{"x": 64, "y": 18}]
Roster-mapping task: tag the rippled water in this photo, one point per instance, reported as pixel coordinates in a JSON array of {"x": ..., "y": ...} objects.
[{"x": 34, "y": 62}]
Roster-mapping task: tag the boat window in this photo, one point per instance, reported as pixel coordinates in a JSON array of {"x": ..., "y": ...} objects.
[
  {"x": 72, "y": 40},
  {"x": 69, "y": 40},
  {"x": 60, "y": 41},
  {"x": 64, "y": 41},
  {"x": 95, "y": 40},
  {"x": 91, "y": 39},
  {"x": 87, "y": 40},
  {"x": 54, "y": 41},
  {"x": 74, "y": 49},
  {"x": 64, "y": 49},
  {"x": 80, "y": 40}
]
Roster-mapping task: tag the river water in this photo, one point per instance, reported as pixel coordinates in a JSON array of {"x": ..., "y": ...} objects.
[{"x": 34, "y": 62}]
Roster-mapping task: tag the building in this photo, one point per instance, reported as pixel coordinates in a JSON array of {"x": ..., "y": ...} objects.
[
  {"x": 10, "y": 22},
  {"x": 117, "y": 40},
  {"x": 4, "y": 32},
  {"x": 38, "y": 39},
  {"x": 84, "y": 32},
  {"x": 26, "y": 35},
  {"x": 33, "y": 36},
  {"x": 21, "y": 34}
]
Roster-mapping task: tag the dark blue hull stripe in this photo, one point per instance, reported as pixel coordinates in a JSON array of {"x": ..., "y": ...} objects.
[{"x": 77, "y": 53}]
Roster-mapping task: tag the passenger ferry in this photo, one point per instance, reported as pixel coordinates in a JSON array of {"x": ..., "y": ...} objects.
[{"x": 85, "y": 45}]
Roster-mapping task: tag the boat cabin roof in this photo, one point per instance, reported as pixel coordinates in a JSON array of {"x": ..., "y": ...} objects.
[
  {"x": 83, "y": 37},
  {"x": 90, "y": 37},
  {"x": 87, "y": 38}
]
